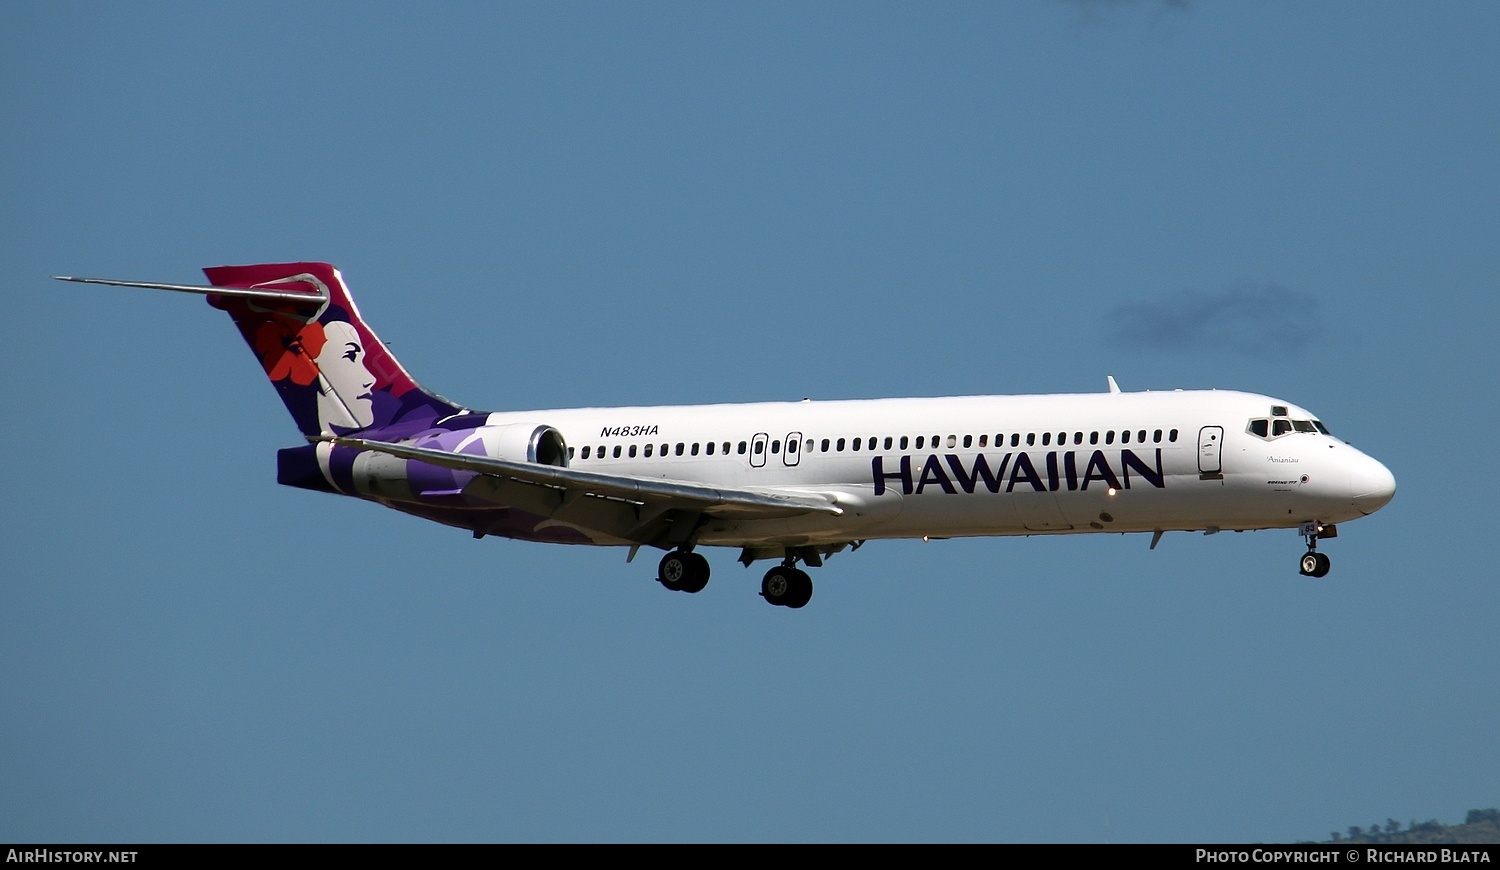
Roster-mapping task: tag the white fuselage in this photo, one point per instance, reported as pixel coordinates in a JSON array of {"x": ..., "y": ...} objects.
[{"x": 991, "y": 465}]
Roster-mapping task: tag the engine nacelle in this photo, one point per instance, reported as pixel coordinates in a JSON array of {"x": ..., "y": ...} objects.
[
  {"x": 524, "y": 442},
  {"x": 382, "y": 476}
]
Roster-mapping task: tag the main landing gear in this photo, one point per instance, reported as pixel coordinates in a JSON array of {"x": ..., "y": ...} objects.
[
  {"x": 1315, "y": 564},
  {"x": 786, "y": 586},
  {"x": 683, "y": 571}
]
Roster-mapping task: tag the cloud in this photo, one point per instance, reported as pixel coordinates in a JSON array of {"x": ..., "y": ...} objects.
[{"x": 1252, "y": 320}]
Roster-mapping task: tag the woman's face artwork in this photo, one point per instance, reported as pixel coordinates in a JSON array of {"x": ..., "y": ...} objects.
[{"x": 341, "y": 362}]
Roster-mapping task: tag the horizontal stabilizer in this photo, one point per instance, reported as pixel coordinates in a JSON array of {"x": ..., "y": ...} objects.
[{"x": 311, "y": 296}]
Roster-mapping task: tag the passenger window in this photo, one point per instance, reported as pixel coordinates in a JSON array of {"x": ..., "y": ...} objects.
[
  {"x": 585, "y": 453},
  {"x": 1156, "y": 437},
  {"x": 632, "y": 451},
  {"x": 807, "y": 449},
  {"x": 984, "y": 440},
  {"x": 741, "y": 449},
  {"x": 1077, "y": 437},
  {"x": 824, "y": 446},
  {"x": 760, "y": 447},
  {"x": 903, "y": 442},
  {"x": 695, "y": 448},
  {"x": 648, "y": 450},
  {"x": 776, "y": 446},
  {"x": 855, "y": 443},
  {"x": 1109, "y": 437},
  {"x": 1125, "y": 437},
  {"x": 968, "y": 440},
  {"x": 1093, "y": 437},
  {"x": 920, "y": 439},
  {"x": 681, "y": 447},
  {"x": 710, "y": 448},
  {"x": 617, "y": 451},
  {"x": 570, "y": 452},
  {"x": 1140, "y": 437},
  {"x": 1172, "y": 436},
  {"x": 839, "y": 445},
  {"x": 1046, "y": 438},
  {"x": 1015, "y": 439},
  {"x": 952, "y": 441},
  {"x": 888, "y": 442},
  {"x": 1030, "y": 439},
  {"x": 871, "y": 445}
]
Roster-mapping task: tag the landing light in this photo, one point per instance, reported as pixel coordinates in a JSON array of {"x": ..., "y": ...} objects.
[{"x": 1111, "y": 491}]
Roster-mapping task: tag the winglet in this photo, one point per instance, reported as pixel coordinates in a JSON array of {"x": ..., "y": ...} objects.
[{"x": 1113, "y": 387}]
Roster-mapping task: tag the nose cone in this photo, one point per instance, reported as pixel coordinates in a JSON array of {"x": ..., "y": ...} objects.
[{"x": 1373, "y": 486}]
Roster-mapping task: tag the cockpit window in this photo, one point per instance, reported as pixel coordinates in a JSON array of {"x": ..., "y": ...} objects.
[{"x": 1276, "y": 427}]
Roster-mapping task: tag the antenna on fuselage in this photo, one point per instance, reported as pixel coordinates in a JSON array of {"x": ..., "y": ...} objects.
[{"x": 1113, "y": 387}]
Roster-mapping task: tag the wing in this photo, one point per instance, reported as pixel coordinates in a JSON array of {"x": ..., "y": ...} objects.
[{"x": 661, "y": 505}]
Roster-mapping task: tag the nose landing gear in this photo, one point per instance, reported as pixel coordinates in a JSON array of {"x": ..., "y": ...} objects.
[{"x": 1315, "y": 564}]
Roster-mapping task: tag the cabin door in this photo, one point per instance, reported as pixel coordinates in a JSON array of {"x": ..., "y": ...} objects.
[{"x": 1210, "y": 446}]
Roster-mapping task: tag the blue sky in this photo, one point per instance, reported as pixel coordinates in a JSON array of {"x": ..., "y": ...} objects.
[{"x": 553, "y": 205}]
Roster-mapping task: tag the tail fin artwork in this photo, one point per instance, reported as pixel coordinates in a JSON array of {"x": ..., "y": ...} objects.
[{"x": 332, "y": 372}]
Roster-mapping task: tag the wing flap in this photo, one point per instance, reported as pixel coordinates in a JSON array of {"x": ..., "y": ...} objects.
[{"x": 653, "y": 492}]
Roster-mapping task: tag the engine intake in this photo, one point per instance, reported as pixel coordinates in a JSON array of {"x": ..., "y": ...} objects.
[{"x": 526, "y": 442}]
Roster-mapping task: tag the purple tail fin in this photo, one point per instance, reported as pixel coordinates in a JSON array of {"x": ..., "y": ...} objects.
[{"x": 332, "y": 372}]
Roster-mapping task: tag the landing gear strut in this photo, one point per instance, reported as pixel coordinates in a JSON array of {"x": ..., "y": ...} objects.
[
  {"x": 786, "y": 585},
  {"x": 1314, "y": 564},
  {"x": 683, "y": 571}
]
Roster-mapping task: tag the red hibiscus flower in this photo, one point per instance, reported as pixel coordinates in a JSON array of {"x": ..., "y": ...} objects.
[{"x": 289, "y": 349}]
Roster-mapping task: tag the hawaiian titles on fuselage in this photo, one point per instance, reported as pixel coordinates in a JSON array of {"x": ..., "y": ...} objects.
[{"x": 1058, "y": 470}]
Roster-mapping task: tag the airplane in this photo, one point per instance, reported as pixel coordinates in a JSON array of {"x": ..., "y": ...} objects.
[{"x": 793, "y": 482}]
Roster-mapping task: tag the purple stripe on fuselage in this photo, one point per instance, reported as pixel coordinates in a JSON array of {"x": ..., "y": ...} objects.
[
  {"x": 298, "y": 466},
  {"x": 341, "y": 468}
]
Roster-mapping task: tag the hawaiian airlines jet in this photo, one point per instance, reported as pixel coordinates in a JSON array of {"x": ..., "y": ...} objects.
[{"x": 791, "y": 482}]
